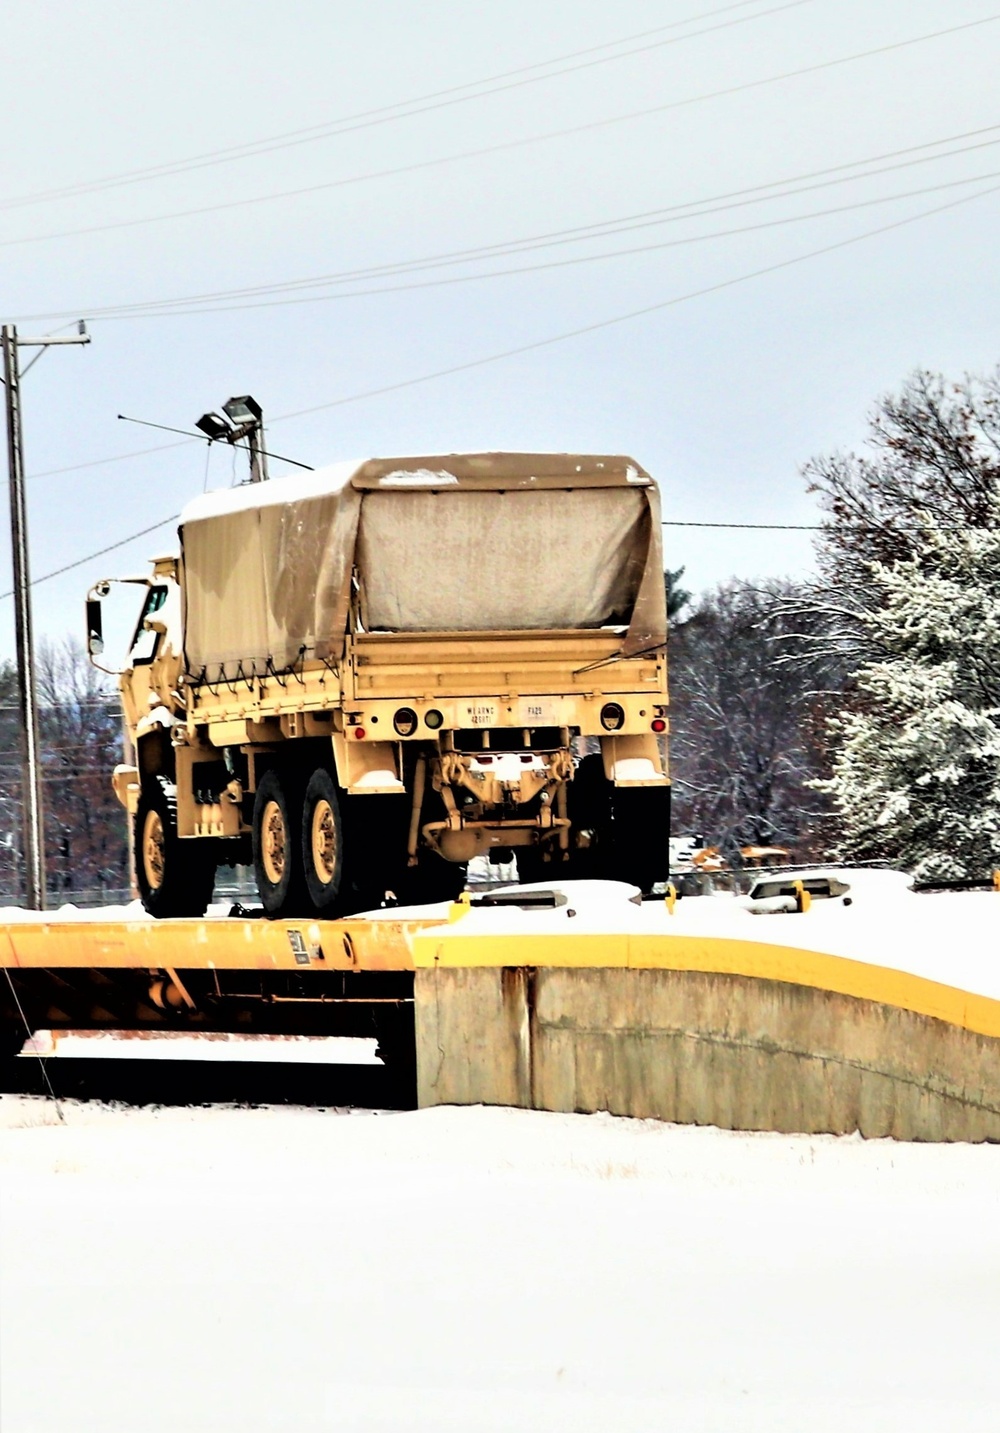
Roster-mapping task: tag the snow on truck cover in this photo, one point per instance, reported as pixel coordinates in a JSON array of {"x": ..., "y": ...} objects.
[{"x": 461, "y": 542}]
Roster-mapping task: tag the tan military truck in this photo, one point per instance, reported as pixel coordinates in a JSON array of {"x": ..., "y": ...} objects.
[{"x": 362, "y": 677}]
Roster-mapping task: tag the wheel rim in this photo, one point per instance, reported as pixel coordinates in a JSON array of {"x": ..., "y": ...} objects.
[
  {"x": 323, "y": 830},
  {"x": 273, "y": 842},
  {"x": 153, "y": 859}
]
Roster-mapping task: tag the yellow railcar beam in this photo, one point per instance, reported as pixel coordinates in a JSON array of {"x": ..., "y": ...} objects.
[{"x": 357, "y": 945}]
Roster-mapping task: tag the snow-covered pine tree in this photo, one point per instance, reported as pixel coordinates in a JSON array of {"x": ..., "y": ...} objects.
[{"x": 917, "y": 775}]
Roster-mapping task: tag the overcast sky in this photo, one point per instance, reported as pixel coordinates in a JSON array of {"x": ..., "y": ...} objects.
[{"x": 721, "y": 396}]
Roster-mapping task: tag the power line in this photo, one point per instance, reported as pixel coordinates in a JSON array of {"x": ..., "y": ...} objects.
[
  {"x": 564, "y": 337},
  {"x": 103, "y": 462},
  {"x": 616, "y": 319},
  {"x": 890, "y": 529},
  {"x": 498, "y": 148},
  {"x": 403, "y": 109},
  {"x": 676, "y": 213},
  {"x": 112, "y": 547},
  {"x": 459, "y": 254},
  {"x": 545, "y": 265}
]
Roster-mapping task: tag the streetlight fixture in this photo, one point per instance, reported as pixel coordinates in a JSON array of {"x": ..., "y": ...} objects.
[
  {"x": 241, "y": 417},
  {"x": 243, "y": 410},
  {"x": 214, "y": 427}
]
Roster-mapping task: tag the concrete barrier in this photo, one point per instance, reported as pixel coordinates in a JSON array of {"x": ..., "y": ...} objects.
[{"x": 701, "y": 1047}]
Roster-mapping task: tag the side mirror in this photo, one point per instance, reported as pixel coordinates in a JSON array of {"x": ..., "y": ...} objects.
[{"x": 95, "y": 627}]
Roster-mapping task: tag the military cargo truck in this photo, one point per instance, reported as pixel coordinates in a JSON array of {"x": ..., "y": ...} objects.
[{"x": 360, "y": 678}]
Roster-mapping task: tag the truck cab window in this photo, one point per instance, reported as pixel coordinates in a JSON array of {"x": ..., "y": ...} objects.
[{"x": 144, "y": 641}]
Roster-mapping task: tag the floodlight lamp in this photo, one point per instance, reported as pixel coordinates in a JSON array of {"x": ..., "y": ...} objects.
[
  {"x": 243, "y": 409},
  {"x": 213, "y": 426}
]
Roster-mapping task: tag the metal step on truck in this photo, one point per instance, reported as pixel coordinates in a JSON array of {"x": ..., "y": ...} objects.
[{"x": 360, "y": 678}]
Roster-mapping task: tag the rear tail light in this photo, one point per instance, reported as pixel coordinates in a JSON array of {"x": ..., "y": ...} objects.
[
  {"x": 405, "y": 721},
  {"x": 612, "y": 716},
  {"x": 433, "y": 719}
]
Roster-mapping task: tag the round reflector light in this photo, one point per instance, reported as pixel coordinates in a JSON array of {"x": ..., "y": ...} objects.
[
  {"x": 359, "y": 733},
  {"x": 434, "y": 719},
  {"x": 659, "y": 724},
  {"x": 612, "y": 716}
]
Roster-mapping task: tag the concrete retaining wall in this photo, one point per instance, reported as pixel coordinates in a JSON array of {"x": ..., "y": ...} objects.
[{"x": 701, "y": 1048}]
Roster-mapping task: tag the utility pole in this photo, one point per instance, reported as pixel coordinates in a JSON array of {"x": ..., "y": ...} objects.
[
  {"x": 258, "y": 454},
  {"x": 31, "y": 785}
]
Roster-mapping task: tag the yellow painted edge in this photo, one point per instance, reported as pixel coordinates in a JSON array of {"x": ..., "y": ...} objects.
[
  {"x": 714, "y": 955},
  {"x": 202, "y": 945}
]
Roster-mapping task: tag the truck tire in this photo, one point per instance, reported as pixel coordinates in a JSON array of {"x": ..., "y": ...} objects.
[
  {"x": 628, "y": 828},
  {"x": 175, "y": 877},
  {"x": 589, "y": 809},
  {"x": 639, "y": 846},
  {"x": 322, "y": 837},
  {"x": 277, "y": 845}
]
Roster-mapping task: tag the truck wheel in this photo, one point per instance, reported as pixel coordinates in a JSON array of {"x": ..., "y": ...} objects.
[
  {"x": 640, "y": 835},
  {"x": 322, "y": 841},
  {"x": 589, "y": 803},
  {"x": 628, "y": 828},
  {"x": 277, "y": 854},
  {"x": 175, "y": 877}
]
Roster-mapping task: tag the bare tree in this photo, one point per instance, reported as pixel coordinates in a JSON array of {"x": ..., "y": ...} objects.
[
  {"x": 85, "y": 827},
  {"x": 933, "y": 457},
  {"x": 747, "y": 726},
  {"x": 931, "y": 464}
]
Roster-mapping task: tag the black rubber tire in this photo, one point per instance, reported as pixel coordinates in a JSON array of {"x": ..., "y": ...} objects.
[
  {"x": 321, "y": 802},
  {"x": 589, "y": 809},
  {"x": 179, "y": 880},
  {"x": 640, "y": 836},
  {"x": 277, "y": 852},
  {"x": 374, "y": 842},
  {"x": 630, "y": 828}
]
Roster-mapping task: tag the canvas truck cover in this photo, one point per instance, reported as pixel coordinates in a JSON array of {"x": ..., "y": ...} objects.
[{"x": 464, "y": 542}]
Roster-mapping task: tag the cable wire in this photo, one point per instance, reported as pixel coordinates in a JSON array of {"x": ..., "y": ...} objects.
[
  {"x": 247, "y": 201},
  {"x": 39, "y": 1056},
  {"x": 563, "y": 337},
  {"x": 168, "y": 447},
  {"x": 103, "y": 462},
  {"x": 627, "y": 317},
  {"x": 82, "y": 561},
  {"x": 548, "y": 264},
  {"x": 653, "y": 218},
  {"x": 388, "y": 114}
]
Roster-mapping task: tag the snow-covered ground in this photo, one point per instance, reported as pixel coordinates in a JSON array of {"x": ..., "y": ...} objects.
[
  {"x": 949, "y": 937},
  {"x": 485, "y": 1269}
]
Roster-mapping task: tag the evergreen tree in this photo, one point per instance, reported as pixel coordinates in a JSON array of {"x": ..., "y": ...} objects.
[{"x": 917, "y": 774}]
